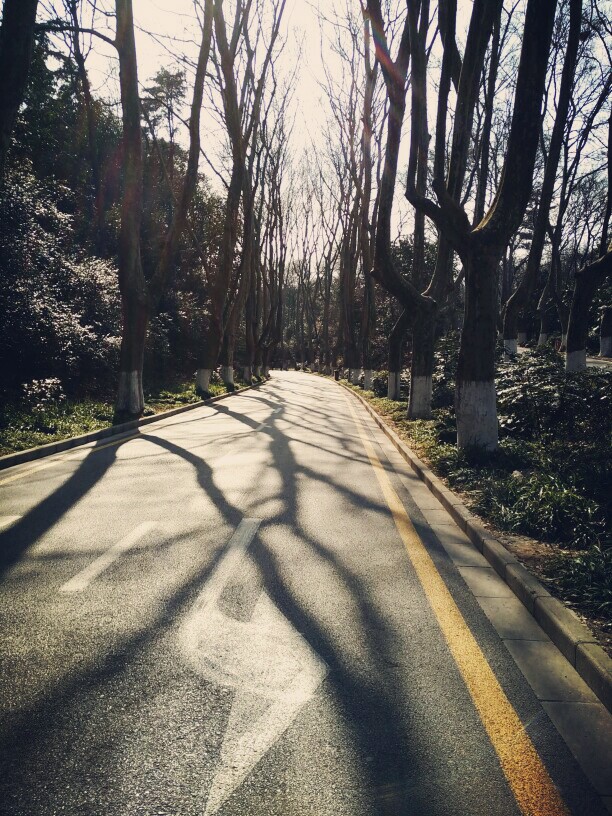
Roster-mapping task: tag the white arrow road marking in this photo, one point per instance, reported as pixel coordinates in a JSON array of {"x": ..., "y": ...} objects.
[
  {"x": 272, "y": 667},
  {"x": 6, "y": 521},
  {"x": 82, "y": 579}
]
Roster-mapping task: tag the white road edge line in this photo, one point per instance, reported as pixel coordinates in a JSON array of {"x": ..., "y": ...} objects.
[{"x": 82, "y": 579}]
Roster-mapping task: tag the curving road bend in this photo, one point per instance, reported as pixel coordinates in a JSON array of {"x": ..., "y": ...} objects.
[{"x": 255, "y": 609}]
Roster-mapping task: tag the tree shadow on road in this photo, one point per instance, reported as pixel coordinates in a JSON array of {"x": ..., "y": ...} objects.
[
  {"x": 364, "y": 695},
  {"x": 17, "y": 539}
]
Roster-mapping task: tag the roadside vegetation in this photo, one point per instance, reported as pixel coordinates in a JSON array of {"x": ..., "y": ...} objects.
[
  {"x": 551, "y": 477},
  {"x": 41, "y": 413}
]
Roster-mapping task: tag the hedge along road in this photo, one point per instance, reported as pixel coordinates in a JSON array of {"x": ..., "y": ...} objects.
[{"x": 243, "y": 610}]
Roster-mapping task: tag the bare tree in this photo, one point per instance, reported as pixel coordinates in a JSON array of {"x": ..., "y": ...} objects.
[
  {"x": 16, "y": 43},
  {"x": 481, "y": 247},
  {"x": 587, "y": 281},
  {"x": 241, "y": 114},
  {"x": 521, "y": 295},
  {"x": 325, "y": 194},
  {"x": 368, "y": 311},
  {"x": 72, "y": 8},
  {"x": 273, "y": 244},
  {"x": 394, "y": 73},
  {"x": 132, "y": 285},
  {"x": 138, "y": 297}
]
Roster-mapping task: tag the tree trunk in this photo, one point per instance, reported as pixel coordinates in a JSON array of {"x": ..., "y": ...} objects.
[
  {"x": 209, "y": 355},
  {"x": 518, "y": 300},
  {"x": 190, "y": 181},
  {"x": 423, "y": 340},
  {"x": 588, "y": 280},
  {"x": 396, "y": 354},
  {"x": 475, "y": 388},
  {"x": 475, "y": 395},
  {"x": 368, "y": 314},
  {"x": 134, "y": 297},
  {"x": 605, "y": 332},
  {"x": 90, "y": 115},
  {"x": 547, "y": 324},
  {"x": 485, "y": 136},
  {"x": 259, "y": 361},
  {"x": 16, "y": 43},
  {"x": 265, "y": 362},
  {"x": 523, "y": 331},
  {"x": 134, "y": 313},
  {"x": 226, "y": 356},
  {"x": 250, "y": 332},
  {"x": 426, "y": 313}
]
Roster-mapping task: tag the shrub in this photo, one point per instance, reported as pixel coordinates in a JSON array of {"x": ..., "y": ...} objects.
[
  {"x": 379, "y": 383},
  {"x": 40, "y": 394},
  {"x": 59, "y": 311},
  {"x": 585, "y": 580},
  {"x": 538, "y": 400},
  {"x": 53, "y": 418},
  {"x": 542, "y": 506},
  {"x": 445, "y": 370}
]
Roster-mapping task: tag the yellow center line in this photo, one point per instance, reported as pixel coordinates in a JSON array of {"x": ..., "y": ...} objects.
[
  {"x": 57, "y": 460},
  {"x": 533, "y": 789}
]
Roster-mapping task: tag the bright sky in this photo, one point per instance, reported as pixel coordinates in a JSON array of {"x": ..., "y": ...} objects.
[{"x": 158, "y": 20}]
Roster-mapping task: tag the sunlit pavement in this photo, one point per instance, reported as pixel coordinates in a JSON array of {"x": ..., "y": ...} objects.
[{"x": 251, "y": 609}]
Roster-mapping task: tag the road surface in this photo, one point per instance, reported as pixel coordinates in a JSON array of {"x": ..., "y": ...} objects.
[{"x": 247, "y": 610}]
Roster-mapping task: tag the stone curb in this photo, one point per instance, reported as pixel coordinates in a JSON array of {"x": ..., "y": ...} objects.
[
  {"x": 29, "y": 455},
  {"x": 562, "y": 626}
]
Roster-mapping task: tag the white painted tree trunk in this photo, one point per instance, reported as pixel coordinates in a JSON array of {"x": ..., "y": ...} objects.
[
  {"x": 354, "y": 376},
  {"x": 258, "y": 371},
  {"x": 542, "y": 339},
  {"x": 203, "y": 376},
  {"x": 227, "y": 374},
  {"x": 266, "y": 371},
  {"x": 477, "y": 416},
  {"x": 394, "y": 385},
  {"x": 511, "y": 348},
  {"x": 576, "y": 360},
  {"x": 130, "y": 396},
  {"x": 419, "y": 404},
  {"x": 605, "y": 346},
  {"x": 367, "y": 379},
  {"x": 248, "y": 374},
  {"x": 563, "y": 342},
  {"x": 522, "y": 338}
]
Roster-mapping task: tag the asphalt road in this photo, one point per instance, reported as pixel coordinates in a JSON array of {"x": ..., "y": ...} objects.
[{"x": 243, "y": 611}]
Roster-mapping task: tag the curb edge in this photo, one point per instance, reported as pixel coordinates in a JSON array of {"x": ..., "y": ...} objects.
[
  {"x": 573, "y": 639},
  {"x": 42, "y": 451}
]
